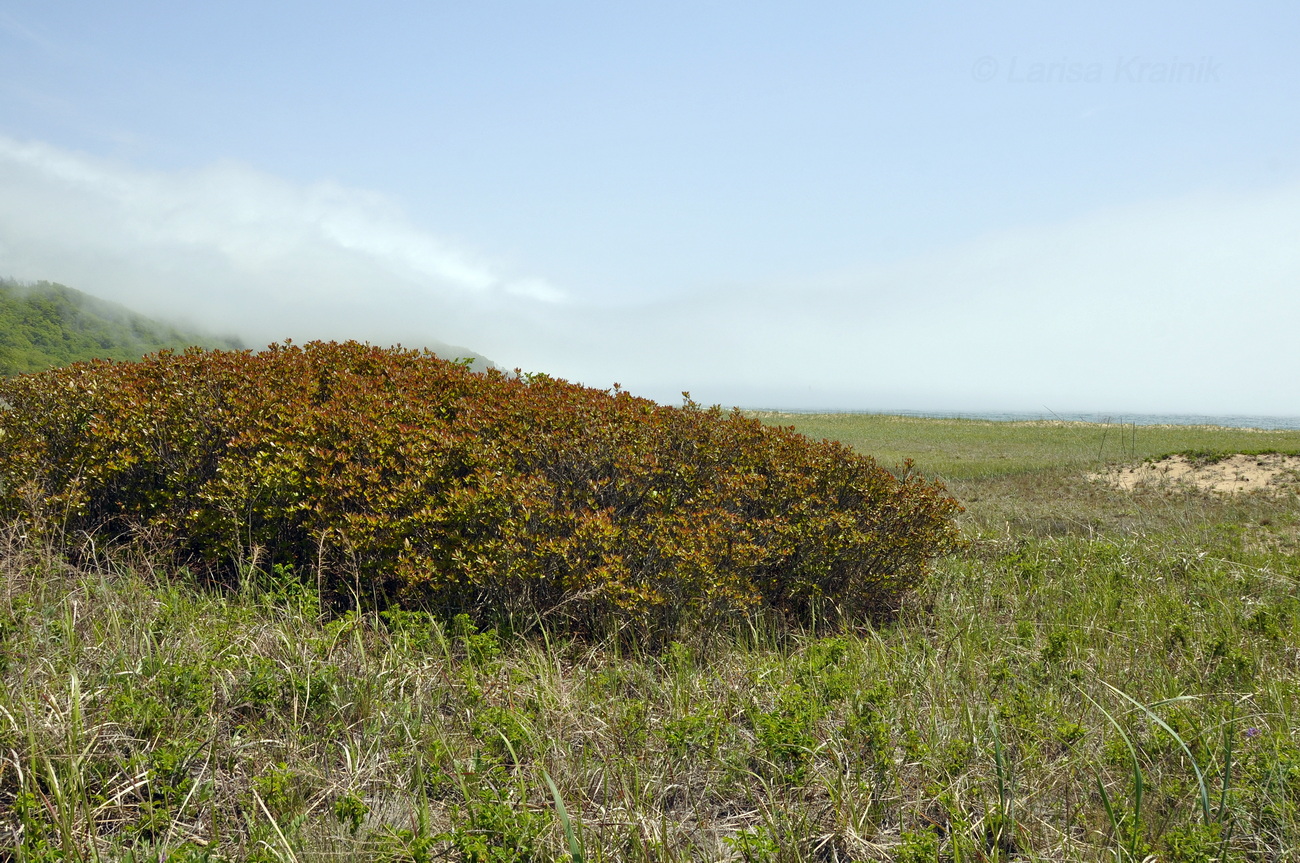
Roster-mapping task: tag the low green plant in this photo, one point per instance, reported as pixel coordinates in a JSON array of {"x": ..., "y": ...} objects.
[
  {"x": 755, "y": 845},
  {"x": 917, "y": 846},
  {"x": 694, "y": 733},
  {"x": 786, "y": 735},
  {"x": 492, "y": 825},
  {"x": 350, "y": 810}
]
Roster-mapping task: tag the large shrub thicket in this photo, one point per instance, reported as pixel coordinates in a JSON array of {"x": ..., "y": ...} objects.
[{"x": 403, "y": 477}]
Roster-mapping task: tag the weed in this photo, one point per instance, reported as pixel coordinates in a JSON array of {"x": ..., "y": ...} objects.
[
  {"x": 786, "y": 735},
  {"x": 756, "y": 845},
  {"x": 350, "y": 810},
  {"x": 917, "y": 846}
]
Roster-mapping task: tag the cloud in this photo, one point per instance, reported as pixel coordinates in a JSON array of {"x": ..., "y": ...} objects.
[
  {"x": 1186, "y": 305},
  {"x": 1183, "y": 305},
  {"x": 236, "y": 249}
]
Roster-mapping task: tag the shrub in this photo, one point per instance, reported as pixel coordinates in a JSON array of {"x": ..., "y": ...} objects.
[{"x": 397, "y": 475}]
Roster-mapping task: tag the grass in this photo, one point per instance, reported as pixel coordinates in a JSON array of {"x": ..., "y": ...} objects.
[
  {"x": 965, "y": 449},
  {"x": 1100, "y": 675}
]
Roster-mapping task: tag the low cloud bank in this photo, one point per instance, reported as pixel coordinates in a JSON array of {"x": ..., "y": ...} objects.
[
  {"x": 1181, "y": 305},
  {"x": 232, "y": 249}
]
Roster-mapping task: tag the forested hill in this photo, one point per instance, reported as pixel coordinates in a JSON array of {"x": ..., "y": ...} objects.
[{"x": 46, "y": 324}]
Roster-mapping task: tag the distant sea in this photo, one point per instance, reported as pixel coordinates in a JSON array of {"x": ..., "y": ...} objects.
[{"x": 1229, "y": 421}]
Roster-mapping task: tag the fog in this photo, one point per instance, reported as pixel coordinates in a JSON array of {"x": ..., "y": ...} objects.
[{"x": 1179, "y": 305}]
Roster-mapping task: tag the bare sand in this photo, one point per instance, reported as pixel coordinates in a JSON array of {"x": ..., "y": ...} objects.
[{"x": 1237, "y": 474}]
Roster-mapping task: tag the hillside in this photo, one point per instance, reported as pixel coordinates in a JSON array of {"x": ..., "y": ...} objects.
[{"x": 46, "y": 324}]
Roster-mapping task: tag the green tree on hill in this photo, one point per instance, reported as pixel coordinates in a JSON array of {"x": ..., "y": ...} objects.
[{"x": 46, "y": 324}]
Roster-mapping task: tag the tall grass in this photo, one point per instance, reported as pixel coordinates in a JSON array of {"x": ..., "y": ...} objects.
[{"x": 1088, "y": 643}]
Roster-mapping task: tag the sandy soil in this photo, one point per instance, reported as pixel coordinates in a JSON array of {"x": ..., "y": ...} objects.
[{"x": 1232, "y": 475}]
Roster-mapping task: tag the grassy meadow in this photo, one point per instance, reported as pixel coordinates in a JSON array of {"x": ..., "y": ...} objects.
[
  {"x": 1098, "y": 675},
  {"x": 967, "y": 449}
]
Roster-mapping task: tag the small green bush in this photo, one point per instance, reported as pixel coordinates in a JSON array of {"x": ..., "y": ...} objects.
[{"x": 392, "y": 474}]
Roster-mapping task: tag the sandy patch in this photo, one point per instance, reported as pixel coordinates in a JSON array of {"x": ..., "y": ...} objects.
[{"x": 1235, "y": 474}]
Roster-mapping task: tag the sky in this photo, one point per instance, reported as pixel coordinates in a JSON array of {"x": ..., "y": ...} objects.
[{"x": 928, "y": 206}]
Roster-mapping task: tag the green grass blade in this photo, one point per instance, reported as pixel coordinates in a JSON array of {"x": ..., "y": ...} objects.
[
  {"x": 1138, "y": 787},
  {"x": 1200, "y": 777},
  {"x": 575, "y": 849},
  {"x": 1106, "y": 803}
]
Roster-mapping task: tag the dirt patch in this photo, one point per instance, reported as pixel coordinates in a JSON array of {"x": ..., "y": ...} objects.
[{"x": 1236, "y": 474}]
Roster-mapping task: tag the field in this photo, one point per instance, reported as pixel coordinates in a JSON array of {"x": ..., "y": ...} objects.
[
  {"x": 1098, "y": 675},
  {"x": 967, "y": 449}
]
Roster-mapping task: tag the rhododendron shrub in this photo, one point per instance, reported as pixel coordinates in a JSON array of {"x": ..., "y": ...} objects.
[{"x": 395, "y": 474}]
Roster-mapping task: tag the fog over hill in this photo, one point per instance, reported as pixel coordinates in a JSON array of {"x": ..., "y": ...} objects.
[
  {"x": 44, "y": 324},
  {"x": 1183, "y": 304}
]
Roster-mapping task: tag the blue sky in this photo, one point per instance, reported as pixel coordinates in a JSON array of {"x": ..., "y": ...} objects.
[{"x": 930, "y": 206}]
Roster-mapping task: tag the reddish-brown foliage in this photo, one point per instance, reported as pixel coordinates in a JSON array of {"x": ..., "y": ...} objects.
[{"x": 424, "y": 482}]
